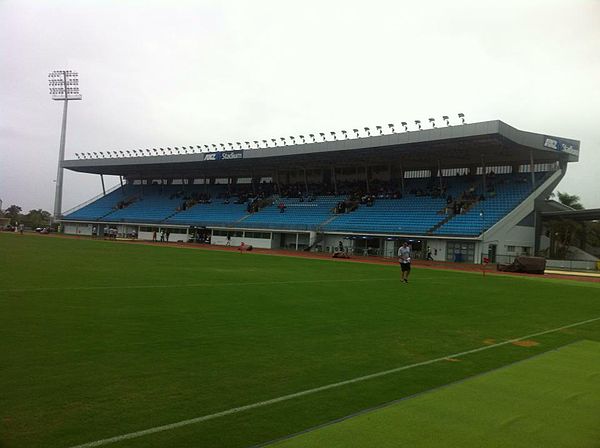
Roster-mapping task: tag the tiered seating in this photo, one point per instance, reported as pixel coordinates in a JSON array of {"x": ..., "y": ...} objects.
[
  {"x": 411, "y": 214},
  {"x": 510, "y": 191},
  {"x": 215, "y": 213},
  {"x": 99, "y": 208},
  {"x": 154, "y": 204},
  {"x": 406, "y": 215},
  {"x": 297, "y": 215}
]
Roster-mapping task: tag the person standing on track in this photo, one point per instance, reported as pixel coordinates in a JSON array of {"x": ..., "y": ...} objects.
[{"x": 404, "y": 258}]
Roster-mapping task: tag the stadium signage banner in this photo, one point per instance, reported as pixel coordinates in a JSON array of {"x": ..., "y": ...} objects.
[
  {"x": 561, "y": 145},
  {"x": 224, "y": 155}
]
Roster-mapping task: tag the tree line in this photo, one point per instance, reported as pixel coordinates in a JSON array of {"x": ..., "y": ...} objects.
[{"x": 32, "y": 219}]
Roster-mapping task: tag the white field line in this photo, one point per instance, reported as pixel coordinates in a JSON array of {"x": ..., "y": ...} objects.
[
  {"x": 198, "y": 285},
  {"x": 191, "y": 421}
]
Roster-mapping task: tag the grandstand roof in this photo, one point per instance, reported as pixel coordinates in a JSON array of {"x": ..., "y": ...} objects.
[
  {"x": 592, "y": 214},
  {"x": 454, "y": 147}
]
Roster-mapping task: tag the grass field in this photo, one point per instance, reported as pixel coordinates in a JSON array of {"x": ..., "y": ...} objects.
[
  {"x": 552, "y": 400},
  {"x": 101, "y": 339}
]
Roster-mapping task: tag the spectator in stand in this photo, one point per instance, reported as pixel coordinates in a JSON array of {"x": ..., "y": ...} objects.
[{"x": 281, "y": 207}]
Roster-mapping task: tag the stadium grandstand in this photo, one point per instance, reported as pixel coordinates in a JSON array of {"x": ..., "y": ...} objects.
[{"x": 458, "y": 193}]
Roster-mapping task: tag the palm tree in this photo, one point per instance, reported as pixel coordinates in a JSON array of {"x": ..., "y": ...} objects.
[{"x": 570, "y": 200}]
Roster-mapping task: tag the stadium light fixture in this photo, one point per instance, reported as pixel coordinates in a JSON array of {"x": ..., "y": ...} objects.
[
  {"x": 379, "y": 129},
  {"x": 303, "y": 139},
  {"x": 322, "y": 134},
  {"x": 345, "y": 134},
  {"x": 432, "y": 121},
  {"x": 405, "y": 126},
  {"x": 266, "y": 143},
  {"x": 391, "y": 126},
  {"x": 446, "y": 119},
  {"x": 356, "y": 132},
  {"x": 293, "y": 139},
  {"x": 368, "y": 131},
  {"x": 77, "y": 154},
  {"x": 222, "y": 146},
  {"x": 257, "y": 144},
  {"x": 462, "y": 117},
  {"x": 128, "y": 153},
  {"x": 64, "y": 86},
  {"x": 333, "y": 135},
  {"x": 313, "y": 137},
  {"x": 418, "y": 123},
  {"x": 122, "y": 155},
  {"x": 274, "y": 140},
  {"x": 96, "y": 155},
  {"x": 230, "y": 146},
  {"x": 283, "y": 141},
  {"x": 101, "y": 154}
]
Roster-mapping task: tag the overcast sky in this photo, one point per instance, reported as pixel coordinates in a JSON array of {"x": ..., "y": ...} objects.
[{"x": 175, "y": 73}]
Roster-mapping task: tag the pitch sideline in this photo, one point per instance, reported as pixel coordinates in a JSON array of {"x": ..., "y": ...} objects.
[{"x": 236, "y": 410}]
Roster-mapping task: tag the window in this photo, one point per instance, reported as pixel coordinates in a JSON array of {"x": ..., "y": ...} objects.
[
  {"x": 510, "y": 248},
  {"x": 174, "y": 230},
  {"x": 148, "y": 229},
  {"x": 260, "y": 235},
  {"x": 219, "y": 232},
  {"x": 525, "y": 250}
]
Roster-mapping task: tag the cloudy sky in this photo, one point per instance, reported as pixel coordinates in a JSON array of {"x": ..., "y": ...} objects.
[{"x": 174, "y": 73}]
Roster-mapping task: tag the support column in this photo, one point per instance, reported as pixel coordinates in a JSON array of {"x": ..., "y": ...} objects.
[
  {"x": 402, "y": 179},
  {"x": 532, "y": 169},
  {"x": 367, "y": 178},
  {"x": 440, "y": 175},
  {"x": 334, "y": 180},
  {"x": 104, "y": 189},
  {"x": 484, "y": 175},
  {"x": 277, "y": 181},
  {"x": 305, "y": 181}
]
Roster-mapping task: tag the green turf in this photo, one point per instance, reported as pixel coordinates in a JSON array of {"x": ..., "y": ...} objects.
[
  {"x": 550, "y": 401},
  {"x": 102, "y": 338}
]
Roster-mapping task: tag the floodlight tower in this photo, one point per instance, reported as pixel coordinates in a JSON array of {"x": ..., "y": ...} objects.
[{"x": 64, "y": 86}]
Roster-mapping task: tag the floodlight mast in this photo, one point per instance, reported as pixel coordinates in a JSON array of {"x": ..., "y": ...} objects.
[{"x": 64, "y": 86}]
